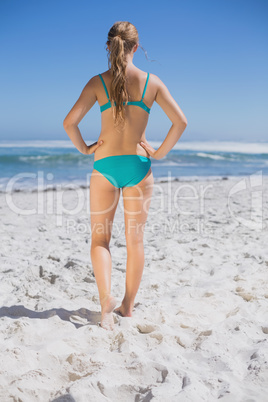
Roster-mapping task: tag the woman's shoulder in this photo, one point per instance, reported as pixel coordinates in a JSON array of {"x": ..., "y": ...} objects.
[
  {"x": 95, "y": 81},
  {"x": 156, "y": 79}
]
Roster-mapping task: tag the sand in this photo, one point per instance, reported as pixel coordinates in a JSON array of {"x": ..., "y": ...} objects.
[{"x": 200, "y": 325}]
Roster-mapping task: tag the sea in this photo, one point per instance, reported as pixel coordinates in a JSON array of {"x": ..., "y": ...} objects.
[{"x": 44, "y": 165}]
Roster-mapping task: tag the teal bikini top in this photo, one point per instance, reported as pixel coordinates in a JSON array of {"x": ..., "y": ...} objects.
[{"x": 135, "y": 103}]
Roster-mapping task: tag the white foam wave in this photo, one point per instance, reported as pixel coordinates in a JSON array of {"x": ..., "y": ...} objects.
[
  {"x": 174, "y": 164},
  {"x": 38, "y": 144},
  {"x": 211, "y": 156},
  {"x": 38, "y": 157},
  {"x": 219, "y": 146}
]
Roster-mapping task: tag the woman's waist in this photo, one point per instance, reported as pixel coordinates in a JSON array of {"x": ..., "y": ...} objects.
[{"x": 104, "y": 152}]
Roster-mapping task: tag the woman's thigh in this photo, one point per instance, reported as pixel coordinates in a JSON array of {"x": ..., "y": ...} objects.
[
  {"x": 137, "y": 200},
  {"x": 104, "y": 199}
]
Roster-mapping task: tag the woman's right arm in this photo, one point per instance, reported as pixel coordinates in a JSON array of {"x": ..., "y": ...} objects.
[{"x": 174, "y": 113}]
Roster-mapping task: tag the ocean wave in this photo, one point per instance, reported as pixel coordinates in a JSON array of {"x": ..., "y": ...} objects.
[
  {"x": 211, "y": 156},
  {"x": 33, "y": 158},
  {"x": 158, "y": 163},
  {"x": 37, "y": 144},
  {"x": 209, "y": 146},
  {"x": 46, "y": 159}
]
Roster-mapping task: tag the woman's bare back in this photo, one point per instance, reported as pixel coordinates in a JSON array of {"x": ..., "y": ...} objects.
[{"x": 122, "y": 141}]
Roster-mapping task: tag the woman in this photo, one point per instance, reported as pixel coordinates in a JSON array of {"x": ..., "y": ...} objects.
[{"x": 122, "y": 159}]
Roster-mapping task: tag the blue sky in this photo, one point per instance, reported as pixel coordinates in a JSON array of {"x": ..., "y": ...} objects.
[{"x": 211, "y": 54}]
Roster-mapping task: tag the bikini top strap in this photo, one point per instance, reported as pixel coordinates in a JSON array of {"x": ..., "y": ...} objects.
[
  {"x": 145, "y": 87},
  {"x": 104, "y": 86}
]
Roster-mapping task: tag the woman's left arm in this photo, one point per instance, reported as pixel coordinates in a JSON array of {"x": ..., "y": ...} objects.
[{"x": 84, "y": 103}]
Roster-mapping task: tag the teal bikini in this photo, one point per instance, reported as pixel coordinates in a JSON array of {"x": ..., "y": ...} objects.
[
  {"x": 124, "y": 170},
  {"x": 135, "y": 103}
]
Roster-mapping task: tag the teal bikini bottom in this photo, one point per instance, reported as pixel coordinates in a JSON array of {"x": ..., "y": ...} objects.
[{"x": 123, "y": 170}]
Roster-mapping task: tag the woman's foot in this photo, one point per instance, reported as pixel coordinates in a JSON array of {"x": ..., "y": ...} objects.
[
  {"x": 123, "y": 311},
  {"x": 108, "y": 303}
]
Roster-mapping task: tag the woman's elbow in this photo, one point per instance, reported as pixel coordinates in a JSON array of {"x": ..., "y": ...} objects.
[
  {"x": 184, "y": 120},
  {"x": 67, "y": 123},
  {"x": 181, "y": 122}
]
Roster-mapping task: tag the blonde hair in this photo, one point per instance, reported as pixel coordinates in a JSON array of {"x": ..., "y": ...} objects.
[{"x": 122, "y": 37}]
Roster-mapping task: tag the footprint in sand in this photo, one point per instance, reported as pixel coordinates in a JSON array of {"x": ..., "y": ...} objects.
[{"x": 146, "y": 328}]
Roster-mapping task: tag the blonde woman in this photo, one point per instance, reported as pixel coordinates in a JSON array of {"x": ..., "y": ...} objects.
[{"x": 122, "y": 159}]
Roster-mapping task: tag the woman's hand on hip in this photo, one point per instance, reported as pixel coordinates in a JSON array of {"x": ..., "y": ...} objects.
[
  {"x": 92, "y": 148},
  {"x": 151, "y": 151}
]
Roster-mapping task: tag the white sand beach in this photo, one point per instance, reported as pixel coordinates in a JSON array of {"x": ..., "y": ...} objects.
[{"x": 200, "y": 325}]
